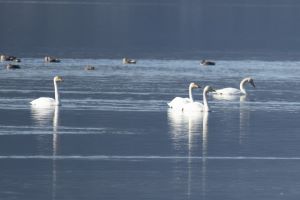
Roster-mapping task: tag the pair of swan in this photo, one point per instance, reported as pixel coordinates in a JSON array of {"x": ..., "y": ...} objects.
[
  {"x": 47, "y": 101},
  {"x": 188, "y": 104}
]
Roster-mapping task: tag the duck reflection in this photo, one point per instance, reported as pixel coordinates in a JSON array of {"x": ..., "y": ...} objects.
[
  {"x": 45, "y": 117},
  {"x": 186, "y": 127}
]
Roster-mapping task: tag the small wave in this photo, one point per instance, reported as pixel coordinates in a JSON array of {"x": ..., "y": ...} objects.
[
  {"x": 48, "y": 130},
  {"x": 108, "y": 157},
  {"x": 91, "y": 3}
]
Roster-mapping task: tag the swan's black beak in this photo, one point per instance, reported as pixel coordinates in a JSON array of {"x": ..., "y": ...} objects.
[{"x": 252, "y": 83}]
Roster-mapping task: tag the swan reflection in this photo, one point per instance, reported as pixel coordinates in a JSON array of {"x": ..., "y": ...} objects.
[
  {"x": 185, "y": 127},
  {"x": 42, "y": 116},
  {"x": 244, "y": 111},
  {"x": 45, "y": 117}
]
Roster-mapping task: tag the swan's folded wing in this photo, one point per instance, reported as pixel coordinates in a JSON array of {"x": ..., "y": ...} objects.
[
  {"x": 43, "y": 101},
  {"x": 178, "y": 102},
  {"x": 193, "y": 106},
  {"x": 228, "y": 91}
]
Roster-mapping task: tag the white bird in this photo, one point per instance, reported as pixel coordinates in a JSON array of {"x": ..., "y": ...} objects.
[
  {"x": 47, "y": 101},
  {"x": 178, "y": 102},
  {"x": 197, "y": 106},
  {"x": 235, "y": 91}
]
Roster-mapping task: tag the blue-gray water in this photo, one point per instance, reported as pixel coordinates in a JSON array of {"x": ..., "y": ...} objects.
[
  {"x": 150, "y": 29},
  {"x": 114, "y": 137}
]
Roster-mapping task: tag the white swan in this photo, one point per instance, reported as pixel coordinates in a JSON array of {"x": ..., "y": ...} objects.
[
  {"x": 178, "y": 102},
  {"x": 229, "y": 97},
  {"x": 235, "y": 91},
  {"x": 47, "y": 101},
  {"x": 197, "y": 106}
]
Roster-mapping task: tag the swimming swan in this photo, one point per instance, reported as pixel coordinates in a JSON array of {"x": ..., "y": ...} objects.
[
  {"x": 47, "y": 101},
  {"x": 197, "y": 106},
  {"x": 235, "y": 91},
  {"x": 178, "y": 102}
]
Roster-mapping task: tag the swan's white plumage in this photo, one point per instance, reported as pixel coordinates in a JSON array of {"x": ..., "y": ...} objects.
[
  {"x": 43, "y": 101},
  {"x": 178, "y": 102},
  {"x": 228, "y": 91},
  {"x": 193, "y": 107},
  {"x": 47, "y": 101},
  {"x": 197, "y": 106},
  {"x": 235, "y": 91}
]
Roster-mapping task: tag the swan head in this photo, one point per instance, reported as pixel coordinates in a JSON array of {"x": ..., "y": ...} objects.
[
  {"x": 208, "y": 89},
  {"x": 58, "y": 79},
  {"x": 194, "y": 85},
  {"x": 251, "y": 81}
]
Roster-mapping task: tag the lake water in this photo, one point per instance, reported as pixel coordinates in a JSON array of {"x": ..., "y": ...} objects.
[
  {"x": 115, "y": 138},
  {"x": 150, "y": 29}
]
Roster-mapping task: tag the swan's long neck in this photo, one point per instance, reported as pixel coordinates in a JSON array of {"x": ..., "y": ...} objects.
[
  {"x": 206, "y": 107},
  {"x": 242, "y": 86},
  {"x": 57, "y": 99},
  {"x": 191, "y": 94}
]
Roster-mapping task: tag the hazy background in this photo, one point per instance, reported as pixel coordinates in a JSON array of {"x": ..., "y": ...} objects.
[{"x": 151, "y": 28}]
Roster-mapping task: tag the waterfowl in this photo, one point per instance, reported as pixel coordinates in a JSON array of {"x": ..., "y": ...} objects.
[
  {"x": 47, "y": 101},
  {"x": 178, "y": 102},
  {"x": 51, "y": 59},
  {"x": 235, "y": 91},
  {"x": 9, "y": 58},
  {"x": 89, "y": 67},
  {"x": 129, "y": 61},
  {"x": 207, "y": 62},
  {"x": 197, "y": 106}
]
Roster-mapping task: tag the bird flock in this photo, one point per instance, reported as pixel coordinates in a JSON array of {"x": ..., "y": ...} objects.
[
  {"x": 183, "y": 104},
  {"x": 189, "y": 105},
  {"x": 178, "y": 103}
]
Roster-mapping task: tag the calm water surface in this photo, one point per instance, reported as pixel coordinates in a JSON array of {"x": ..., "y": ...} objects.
[{"x": 115, "y": 138}]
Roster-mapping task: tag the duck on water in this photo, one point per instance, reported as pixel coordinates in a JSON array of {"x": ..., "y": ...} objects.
[
  {"x": 128, "y": 61},
  {"x": 9, "y": 58},
  {"x": 51, "y": 59},
  {"x": 207, "y": 62}
]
